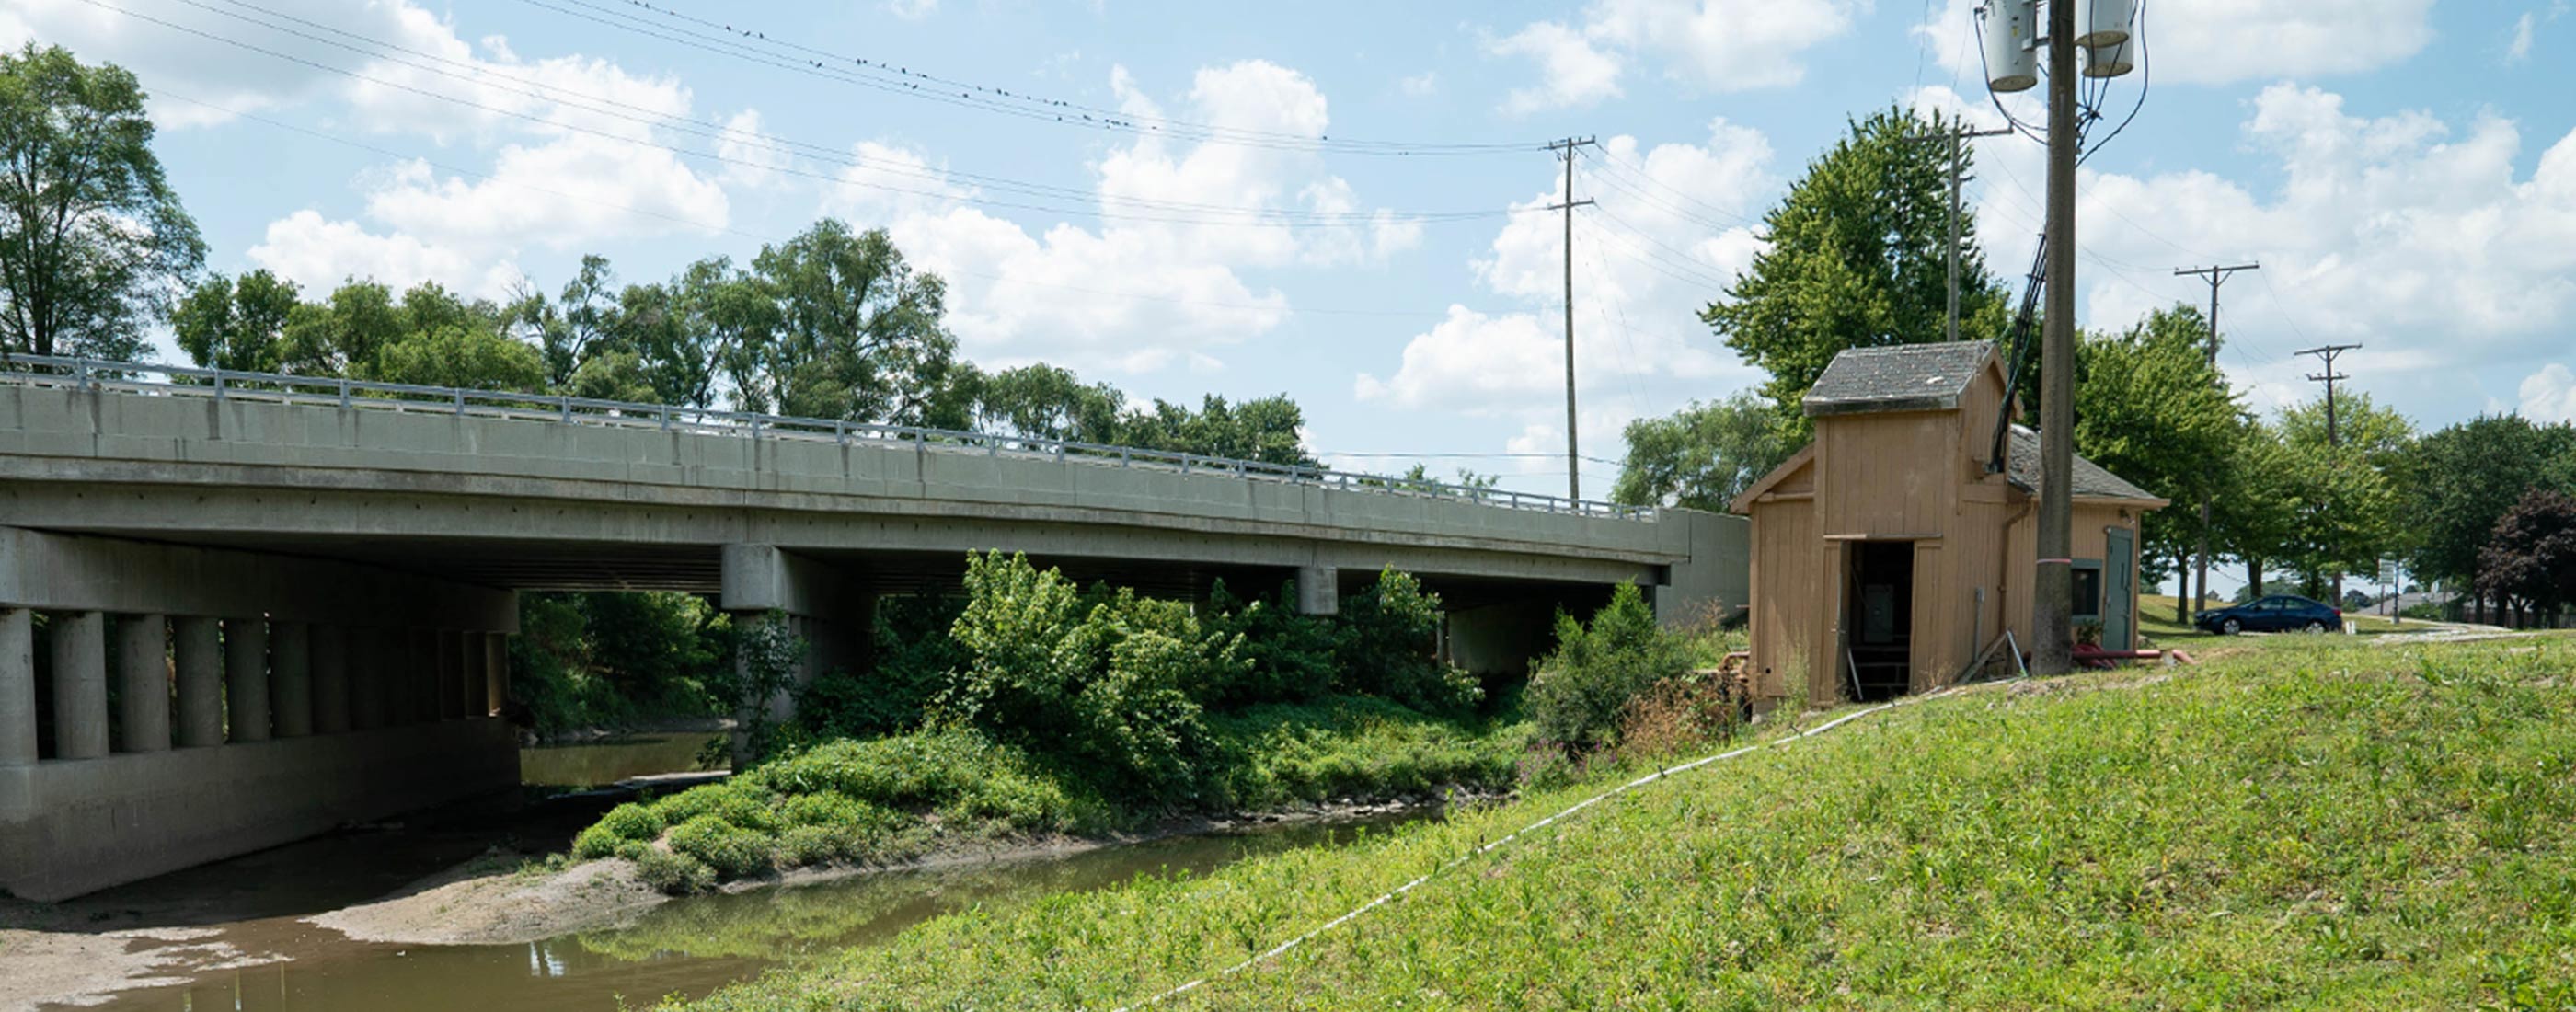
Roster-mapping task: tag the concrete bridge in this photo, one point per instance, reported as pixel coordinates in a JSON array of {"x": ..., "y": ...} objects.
[{"x": 240, "y": 609}]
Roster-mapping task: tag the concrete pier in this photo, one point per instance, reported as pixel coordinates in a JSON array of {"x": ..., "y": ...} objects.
[
  {"x": 17, "y": 687},
  {"x": 329, "y": 646},
  {"x": 80, "y": 684},
  {"x": 290, "y": 681},
  {"x": 246, "y": 678},
  {"x": 1319, "y": 590},
  {"x": 196, "y": 642},
  {"x": 143, "y": 683}
]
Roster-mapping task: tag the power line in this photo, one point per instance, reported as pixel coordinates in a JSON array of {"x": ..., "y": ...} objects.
[
  {"x": 478, "y": 74},
  {"x": 2327, "y": 353},
  {"x": 747, "y": 43},
  {"x": 773, "y": 239},
  {"x": 2217, "y": 274},
  {"x": 1955, "y": 138},
  {"x": 1268, "y": 219}
]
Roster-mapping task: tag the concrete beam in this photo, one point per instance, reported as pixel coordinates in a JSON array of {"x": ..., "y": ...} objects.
[
  {"x": 17, "y": 687},
  {"x": 196, "y": 642},
  {"x": 760, "y": 578},
  {"x": 143, "y": 682},
  {"x": 1717, "y": 578},
  {"x": 246, "y": 679},
  {"x": 291, "y": 678},
  {"x": 80, "y": 684},
  {"x": 330, "y": 650},
  {"x": 78, "y": 572}
]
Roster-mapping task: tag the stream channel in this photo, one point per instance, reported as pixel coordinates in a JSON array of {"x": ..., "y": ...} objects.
[{"x": 234, "y": 937}]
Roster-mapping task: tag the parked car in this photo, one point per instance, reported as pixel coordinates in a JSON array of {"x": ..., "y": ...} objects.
[{"x": 2276, "y": 613}]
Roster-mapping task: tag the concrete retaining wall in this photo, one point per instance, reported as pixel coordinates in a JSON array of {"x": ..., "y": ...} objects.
[{"x": 71, "y": 827}]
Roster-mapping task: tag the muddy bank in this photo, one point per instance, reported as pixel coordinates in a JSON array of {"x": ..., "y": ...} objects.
[{"x": 492, "y": 900}]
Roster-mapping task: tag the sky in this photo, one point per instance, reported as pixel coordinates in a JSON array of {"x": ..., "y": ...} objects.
[{"x": 1137, "y": 190}]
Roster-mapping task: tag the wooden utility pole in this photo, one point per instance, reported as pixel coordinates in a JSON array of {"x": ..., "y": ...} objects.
[
  {"x": 2053, "y": 597},
  {"x": 1954, "y": 136},
  {"x": 1573, "y": 460},
  {"x": 2333, "y": 437},
  {"x": 2217, "y": 275}
]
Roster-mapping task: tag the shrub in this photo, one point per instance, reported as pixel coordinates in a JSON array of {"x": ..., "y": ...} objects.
[
  {"x": 802, "y": 846},
  {"x": 1287, "y": 657},
  {"x": 1680, "y": 713},
  {"x": 631, "y": 821},
  {"x": 597, "y": 841},
  {"x": 742, "y": 801},
  {"x": 1584, "y": 687},
  {"x": 676, "y": 874},
  {"x": 734, "y": 852},
  {"x": 1386, "y": 649}
]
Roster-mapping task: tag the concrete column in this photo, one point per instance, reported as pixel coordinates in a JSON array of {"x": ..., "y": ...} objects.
[
  {"x": 420, "y": 684},
  {"x": 329, "y": 645},
  {"x": 197, "y": 642},
  {"x": 1319, "y": 590},
  {"x": 17, "y": 687},
  {"x": 451, "y": 676},
  {"x": 246, "y": 678},
  {"x": 143, "y": 682},
  {"x": 496, "y": 672},
  {"x": 469, "y": 684},
  {"x": 80, "y": 684},
  {"x": 290, "y": 677},
  {"x": 367, "y": 673}
]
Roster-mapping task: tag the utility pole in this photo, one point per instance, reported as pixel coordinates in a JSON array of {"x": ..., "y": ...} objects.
[
  {"x": 2329, "y": 377},
  {"x": 1573, "y": 471},
  {"x": 1958, "y": 168},
  {"x": 2217, "y": 275},
  {"x": 2053, "y": 599}
]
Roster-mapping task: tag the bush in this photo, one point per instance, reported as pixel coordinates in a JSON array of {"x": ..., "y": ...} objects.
[
  {"x": 676, "y": 874},
  {"x": 742, "y": 801},
  {"x": 1389, "y": 632},
  {"x": 734, "y": 852},
  {"x": 1583, "y": 689},
  {"x": 1680, "y": 714}
]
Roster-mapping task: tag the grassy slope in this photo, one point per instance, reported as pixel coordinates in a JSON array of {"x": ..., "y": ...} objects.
[{"x": 2339, "y": 827}]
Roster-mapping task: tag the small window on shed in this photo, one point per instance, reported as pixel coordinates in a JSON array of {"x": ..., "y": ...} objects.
[{"x": 2088, "y": 589}]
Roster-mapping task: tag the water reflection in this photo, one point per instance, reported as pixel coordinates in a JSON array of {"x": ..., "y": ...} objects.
[
  {"x": 609, "y": 760},
  {"x": 687, "y": 947}
]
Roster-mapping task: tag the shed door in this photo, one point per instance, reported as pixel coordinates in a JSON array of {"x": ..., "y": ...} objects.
[{"x": 2119, "y": 583}]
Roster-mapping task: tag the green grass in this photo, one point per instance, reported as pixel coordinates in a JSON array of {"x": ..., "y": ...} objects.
[
  {"x": 2340, "y": 826},
  {"x": 886, "y": 800}
]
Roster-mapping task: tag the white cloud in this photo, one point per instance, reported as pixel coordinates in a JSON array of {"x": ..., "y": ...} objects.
[
  {"x": 1422, "y": 85},
  {"x": 2525, "y": 28},
  {"x": 1716, "y": 45},
  {"x": 562, "y": 194},
  {"x": 318, "y": 255},
  {"x": 2550, "y": 394},
  {"x": 2227, "y": 41},
  {"x": 1157, "y": 284},
  {"x": 173, "y": 63},
  {"x": 1572, "y": 72},
  {"x": 912, "y": 10},
  {"x": 1672, "y": 227}
]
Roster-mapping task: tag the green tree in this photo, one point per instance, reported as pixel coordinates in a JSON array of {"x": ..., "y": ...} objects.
[
  {"x": 1047, "y": 402},
  {"x": 2347, "y": 487},
  {"x": 1856, "y": 259},
  {"x": 343, "y": 334},
  {"x": 2530, "y": 561},
  {"x": 1263, "y": 429},
  {"x": 2462, "y": 480},
  {"x": 236, "y": 324},
  {"x": 2151, "y": 409},
  {"x": 1702, "y": 456},
  {"x": 2257, "y": 519},
  {"x": 848, "y": 329},
  {"x": 94, "y": 245}
]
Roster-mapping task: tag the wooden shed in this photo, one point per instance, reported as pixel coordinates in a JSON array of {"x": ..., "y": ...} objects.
[{"x": 1886, "y": 558}]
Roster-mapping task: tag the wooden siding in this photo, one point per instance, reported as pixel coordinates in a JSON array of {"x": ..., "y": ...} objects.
[
  {"x": 1786, "y": 568},
  {"x": 1886, "y": 455}
]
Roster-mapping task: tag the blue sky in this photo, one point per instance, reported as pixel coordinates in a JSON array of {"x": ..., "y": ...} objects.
[{"x": 2400, "y": 167}]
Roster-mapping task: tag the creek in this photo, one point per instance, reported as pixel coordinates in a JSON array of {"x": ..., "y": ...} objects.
[{"x": 232, "y": 935}]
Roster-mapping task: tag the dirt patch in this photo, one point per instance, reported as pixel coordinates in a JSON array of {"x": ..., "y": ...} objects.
[{"x": 470, "y": 905}]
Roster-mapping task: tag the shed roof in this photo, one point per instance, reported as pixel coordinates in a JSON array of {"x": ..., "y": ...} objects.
[
  {"x": 1904, "y": 377},
  {"x": 2091, "y": 481}
]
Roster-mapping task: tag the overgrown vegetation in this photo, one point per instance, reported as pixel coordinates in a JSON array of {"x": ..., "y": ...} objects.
[
  {"x": 585, "y": 660},
  {"x": 1029, "y": 706},
  {"x": 2344, "y": 826}
]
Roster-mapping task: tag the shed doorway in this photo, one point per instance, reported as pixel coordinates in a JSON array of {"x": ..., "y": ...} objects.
[{"x": 1880, "y": 641}]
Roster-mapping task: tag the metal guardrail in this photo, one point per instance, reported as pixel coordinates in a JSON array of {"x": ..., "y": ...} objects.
[{"x": 226, "y": 384}]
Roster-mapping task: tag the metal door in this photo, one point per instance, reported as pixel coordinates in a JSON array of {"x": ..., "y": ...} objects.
[{"x": 2119, "y": 585}]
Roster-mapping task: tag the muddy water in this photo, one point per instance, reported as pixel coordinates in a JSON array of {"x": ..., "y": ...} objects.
[{"x": 686, "y": 947}]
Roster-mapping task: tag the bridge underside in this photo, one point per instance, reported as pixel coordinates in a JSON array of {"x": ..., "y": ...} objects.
[{"x": 226, "y": 625}]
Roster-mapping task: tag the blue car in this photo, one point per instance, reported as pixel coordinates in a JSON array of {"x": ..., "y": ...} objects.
[{"x": 2277, "y": 613}]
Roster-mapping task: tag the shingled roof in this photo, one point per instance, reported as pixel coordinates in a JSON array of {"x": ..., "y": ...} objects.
[
  {"x": 2091, "y": 481},
  {"x": 1904, "y": 377}
]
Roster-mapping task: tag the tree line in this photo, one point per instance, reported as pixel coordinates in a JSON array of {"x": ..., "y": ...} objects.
[{"x": 1856, "y": 259}]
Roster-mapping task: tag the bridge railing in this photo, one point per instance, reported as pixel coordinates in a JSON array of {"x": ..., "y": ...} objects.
[{"x": 227, "y": 384}]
